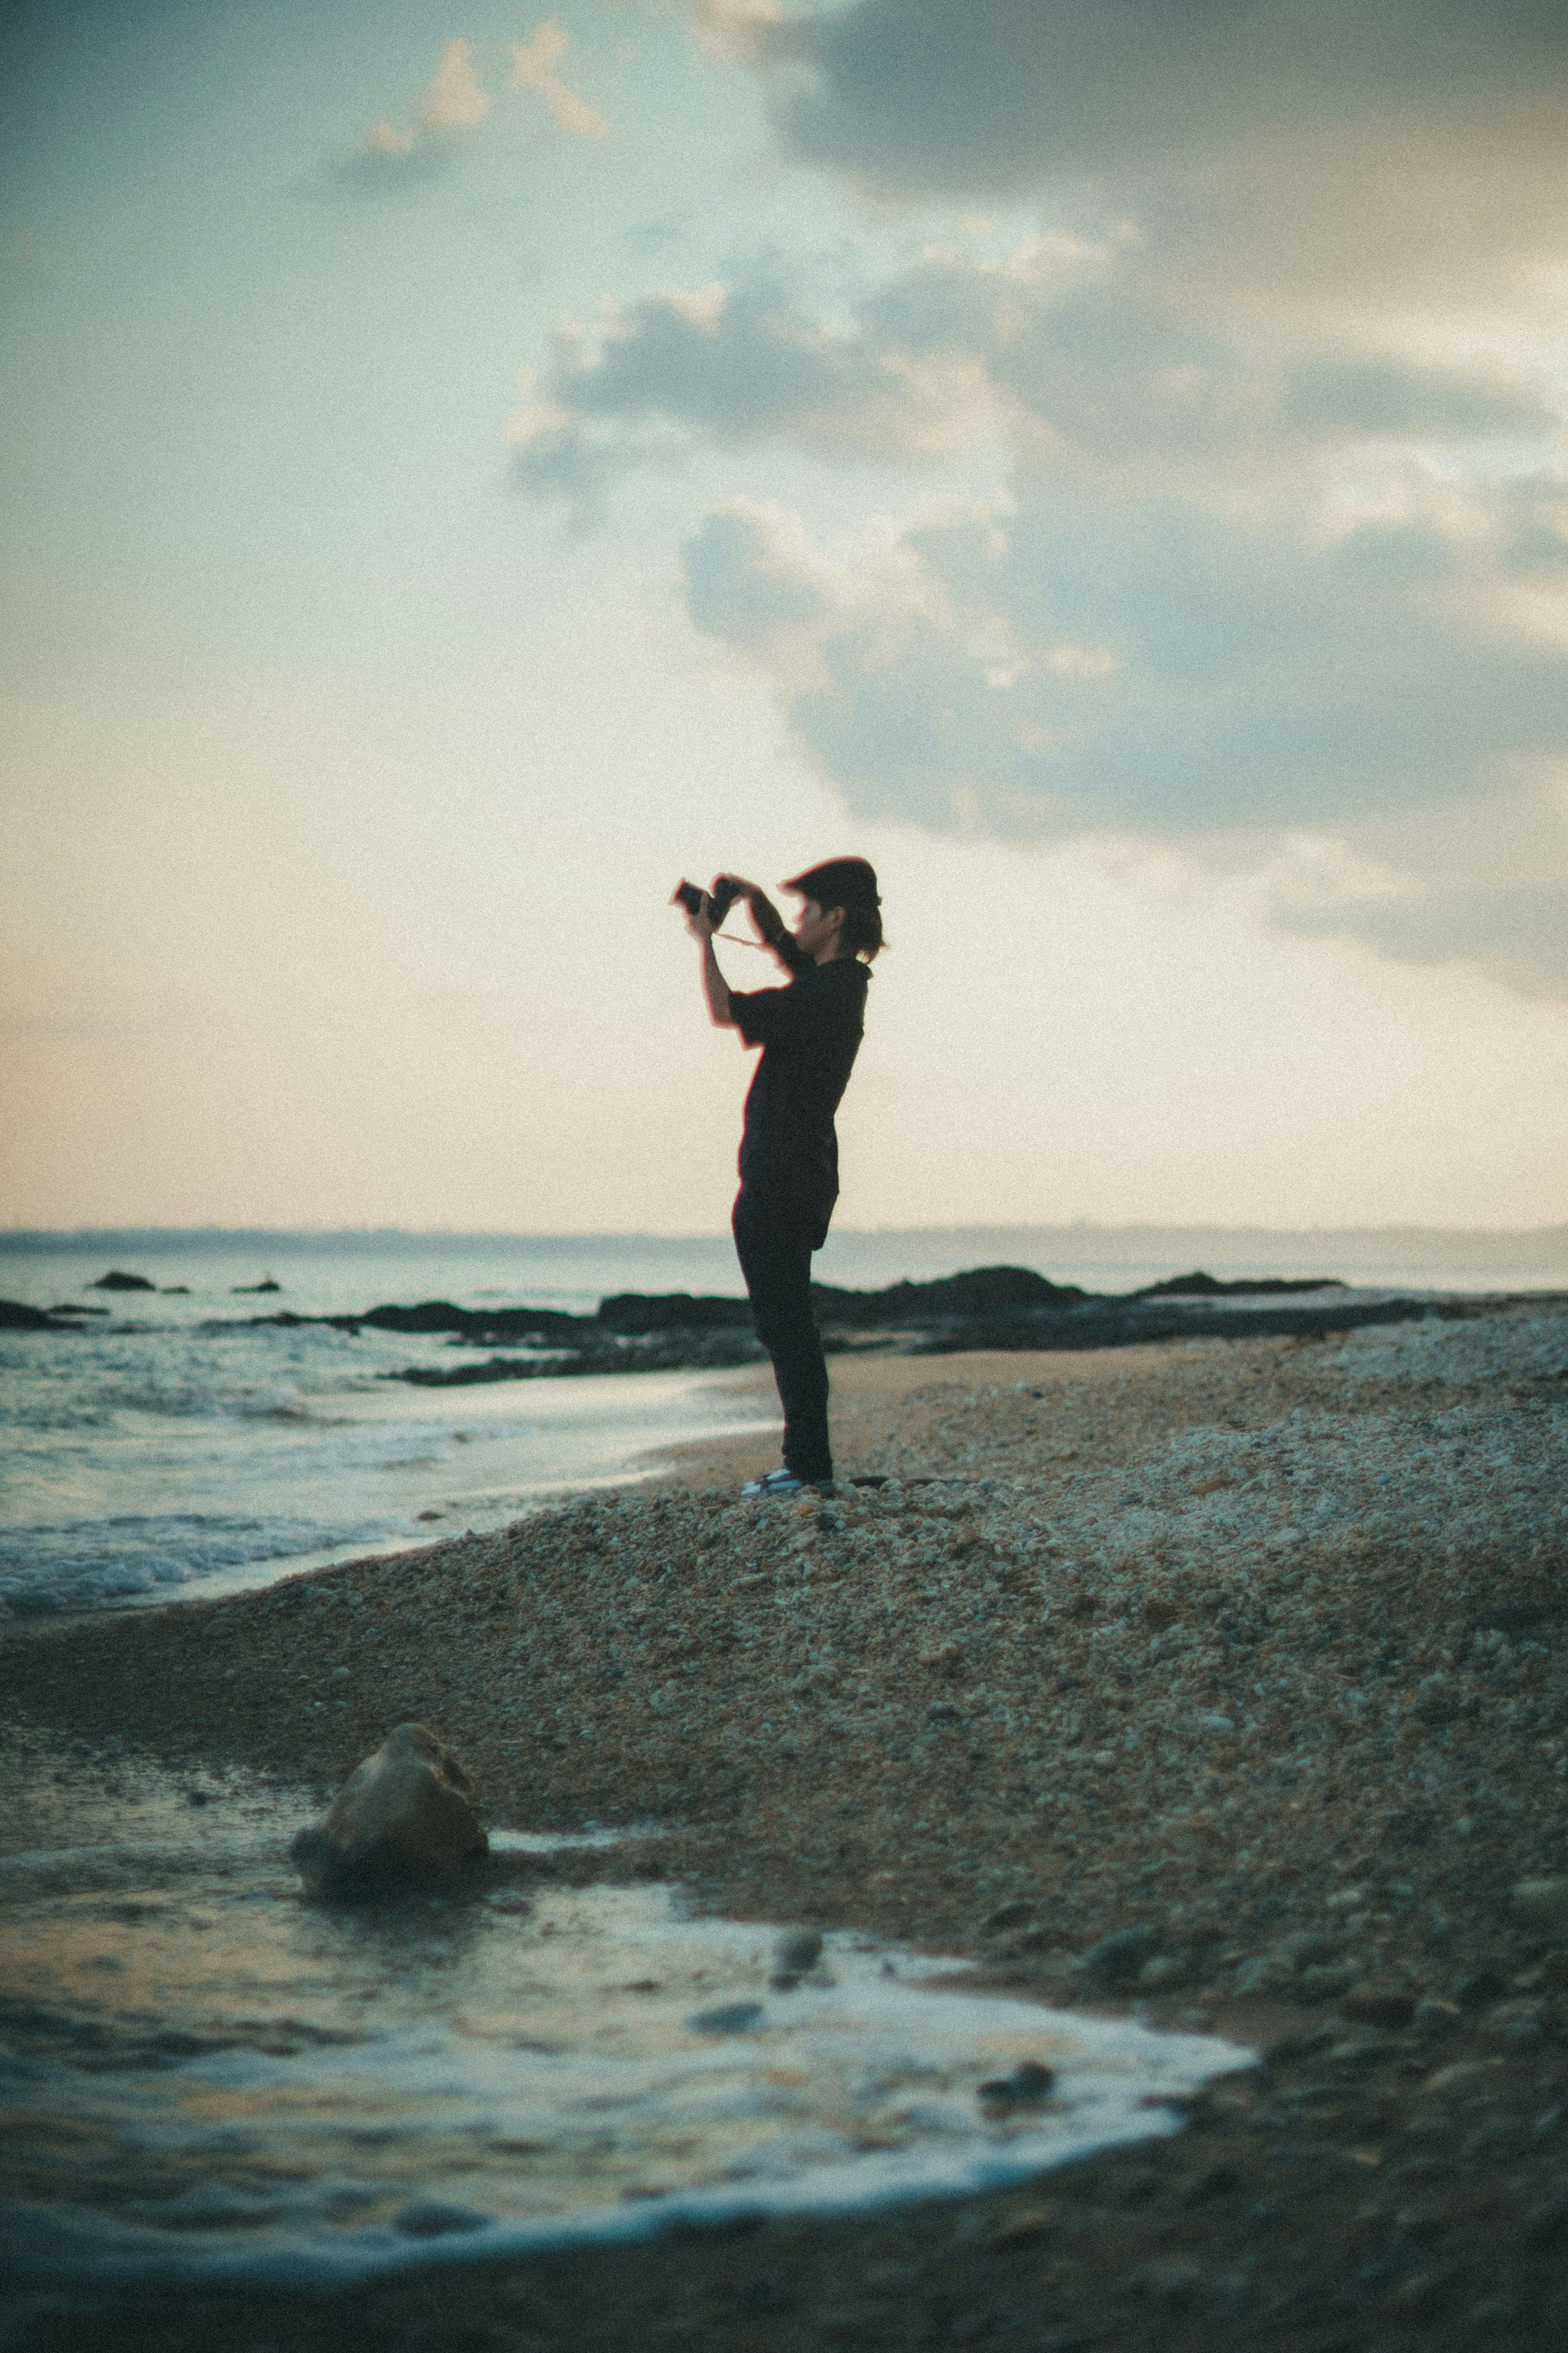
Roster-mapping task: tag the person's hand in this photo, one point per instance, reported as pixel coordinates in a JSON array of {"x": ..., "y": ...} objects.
[
  {"x": 738, "y": 888},
  {"x": 700, "y": 924}
]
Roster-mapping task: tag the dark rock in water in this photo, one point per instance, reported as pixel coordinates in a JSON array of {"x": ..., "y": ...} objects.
[
  {"x": 671, "y": 1311},
  {"x": 468, "y": 1376},
  {"x": 983, "y": 1290},
  {"x": 797, "y": 1950},
  {"x": 483, "y": 1326},
  {"x": 73, "y": 1307},
  {"x": 14, "y": 1316},
  {"x": 1025, "y": 2087},
  {"x": 403, "y": 1818},
  {"x": 237, "y": 1290},
  {"x": 1207, "y": 1286},
  {"x": 729, "y": 2018},
  {"x": 1116, "y": 1959},
  {"x": 432, "y": 2218},
  {"x": 177, "y": 1290},
  {"x": 115, "y": 1280}
]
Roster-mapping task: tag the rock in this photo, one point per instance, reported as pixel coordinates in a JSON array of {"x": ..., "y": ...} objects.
[
  {"x": 1380, "y": 2006},
  {"x": 115, "y": 1280},
  {"x": 404, "y": 1816},
  {"x": 1013, "y": 1914},
  {"x": 1543, "y": 1902},
  {"x": 1163, "y": 1973},
  {"x": 796, "y": 1951},
  {"x": 14, "y": 1316},
  {"x": 1480, "y": 1990},
  {"x": 1321, "y": 1982},
  {"x": 1025, "y": 2087},
  {"x": 1306, "y": 1948},
  {"x": 1118, "y": 1959},
  {"x": 1516, "y": 2024},
  {"x": 729, "y": 2018}
]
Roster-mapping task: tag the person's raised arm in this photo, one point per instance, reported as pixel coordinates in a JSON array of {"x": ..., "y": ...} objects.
[
  {"x": 771, "y": 929},
  {"x": 715, "y": 987}
]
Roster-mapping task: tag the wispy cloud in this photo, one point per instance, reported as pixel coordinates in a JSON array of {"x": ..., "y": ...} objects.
[
  {"x": 455, "y": 100},
  {"x": 534, "y": 67},
  {"x": 394, "y": 155}
]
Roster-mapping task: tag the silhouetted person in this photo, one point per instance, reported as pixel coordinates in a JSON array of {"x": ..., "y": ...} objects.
[{"x": 809, "y": 1032}]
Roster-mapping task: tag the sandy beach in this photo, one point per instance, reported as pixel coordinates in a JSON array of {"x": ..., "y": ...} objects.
[{"x": 1227, "y": 1678}]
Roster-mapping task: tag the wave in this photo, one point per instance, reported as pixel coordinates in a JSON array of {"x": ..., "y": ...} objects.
[{"x": 49, "y": 1568}]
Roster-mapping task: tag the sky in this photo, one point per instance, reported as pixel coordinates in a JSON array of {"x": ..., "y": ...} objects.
[{"x": 461, "y": 473}]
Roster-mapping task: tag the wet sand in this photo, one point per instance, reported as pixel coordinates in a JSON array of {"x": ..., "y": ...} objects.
[{"x": 1249, "y": 1658}]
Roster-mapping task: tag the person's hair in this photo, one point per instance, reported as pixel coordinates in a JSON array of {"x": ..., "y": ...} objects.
[
  {"x": 849, "y": 883},
  {"x": 862, "y": 932}
]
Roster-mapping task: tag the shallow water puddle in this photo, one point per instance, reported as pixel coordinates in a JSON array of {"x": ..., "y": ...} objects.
[{"x": 205, "y": 2073}]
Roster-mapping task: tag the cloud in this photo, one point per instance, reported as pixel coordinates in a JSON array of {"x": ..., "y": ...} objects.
[
  {"x": 392, "y": 157},
  {"x": 732, "y": 363},
  {"x": 456, "y": 100},
  {"x": 385, "y": 142},
  {"x": 533, "y": 64},
  {"x": 746, "y": 32},
  {"x": 1275, "y": 579},
  {"x": 1069, "y": 351},
  {"x": 1323, "y": 716},
  {"x": 1239, "y": 591},
  {"x": 1000, "y": 96}
]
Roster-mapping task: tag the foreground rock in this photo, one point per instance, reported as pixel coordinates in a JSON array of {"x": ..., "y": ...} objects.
[{"x": 405, "y": 1816}]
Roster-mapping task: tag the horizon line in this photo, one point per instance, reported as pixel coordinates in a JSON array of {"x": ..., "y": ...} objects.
[{"x": 11, "y": 1236}]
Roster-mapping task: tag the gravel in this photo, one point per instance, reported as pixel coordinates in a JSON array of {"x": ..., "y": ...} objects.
[{"x": 1228, "y": 1679}]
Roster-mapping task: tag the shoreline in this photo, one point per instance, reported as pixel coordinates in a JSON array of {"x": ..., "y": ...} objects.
[{"x": 1010, "y": 1716}]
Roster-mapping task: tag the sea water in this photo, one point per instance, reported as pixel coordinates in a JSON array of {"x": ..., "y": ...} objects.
[
  {"x": 207, "y": 2075},
  {"x": 173, "y": 1444}
]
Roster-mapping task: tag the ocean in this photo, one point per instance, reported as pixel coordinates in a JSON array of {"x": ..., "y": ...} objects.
[{"x": 173, "y": 1445}]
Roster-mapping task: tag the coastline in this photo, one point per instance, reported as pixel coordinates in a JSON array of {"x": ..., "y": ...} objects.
[{"x": 1030, "y": 1705}]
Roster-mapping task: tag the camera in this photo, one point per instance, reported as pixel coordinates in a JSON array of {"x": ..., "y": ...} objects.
[{"x": 689, "y": 896}]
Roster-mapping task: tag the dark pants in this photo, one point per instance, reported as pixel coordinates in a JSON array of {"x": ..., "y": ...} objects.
[{"x": 774, "y": 1240}]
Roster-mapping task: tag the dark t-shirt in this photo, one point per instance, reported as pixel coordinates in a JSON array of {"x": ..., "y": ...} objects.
[{"x": 809, "y": 1034}]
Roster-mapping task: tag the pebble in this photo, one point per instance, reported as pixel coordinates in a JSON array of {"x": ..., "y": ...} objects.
[
  {"x": 728, "y": 2018},
  {"x": 1543, "y": 1902}
]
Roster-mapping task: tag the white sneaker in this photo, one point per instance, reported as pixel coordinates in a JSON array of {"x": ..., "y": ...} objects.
[{"x": 786, "y": 1482}]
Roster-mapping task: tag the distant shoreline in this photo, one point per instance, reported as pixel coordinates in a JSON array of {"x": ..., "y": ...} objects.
[{"x": 1132, "y": 1238}]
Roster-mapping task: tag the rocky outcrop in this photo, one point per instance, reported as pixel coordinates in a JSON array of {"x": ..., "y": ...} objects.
[
  {"x": 1199, "y": 1285},
  {"x": 115, "y": 1280},
  {"x": 16, "y": 1316},
  {"x": 403, "y": 1818}
]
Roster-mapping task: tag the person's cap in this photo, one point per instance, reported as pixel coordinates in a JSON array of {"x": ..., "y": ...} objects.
[{"x": 839, "y": 882}]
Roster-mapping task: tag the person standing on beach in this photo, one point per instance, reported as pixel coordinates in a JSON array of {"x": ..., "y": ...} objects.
[{"x": 809, "y": 1032}]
